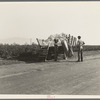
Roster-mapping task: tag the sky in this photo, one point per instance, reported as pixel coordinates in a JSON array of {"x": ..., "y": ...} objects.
[{"x": 41, "y": 19}]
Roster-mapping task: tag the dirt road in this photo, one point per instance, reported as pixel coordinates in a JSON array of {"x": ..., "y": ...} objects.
[{"x": 62, "y": 77}]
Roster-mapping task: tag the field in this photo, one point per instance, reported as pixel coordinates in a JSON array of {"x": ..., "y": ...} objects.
[
  {"x": 91, "y": 47},
  {"x": 31, "y": 55}
]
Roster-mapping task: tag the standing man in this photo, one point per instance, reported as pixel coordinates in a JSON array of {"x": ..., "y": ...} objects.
[
  {"x": 80, "y": 44},
  {"x": 56, "y": 49}
]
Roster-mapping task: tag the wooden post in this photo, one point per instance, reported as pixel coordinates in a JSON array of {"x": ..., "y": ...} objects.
[
  {"x": 38, "y": 42},
  {"x": 72, "y": 40},
  {"x": 75, "y": 41}
]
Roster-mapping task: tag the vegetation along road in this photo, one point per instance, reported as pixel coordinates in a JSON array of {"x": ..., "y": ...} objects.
[{"x": 62, "y": 77}]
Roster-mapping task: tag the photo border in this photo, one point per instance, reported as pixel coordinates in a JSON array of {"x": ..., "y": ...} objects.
[{"x": 46, "y": 97}]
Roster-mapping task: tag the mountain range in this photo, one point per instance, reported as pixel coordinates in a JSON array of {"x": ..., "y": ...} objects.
[{"x": 18, "y": 40}]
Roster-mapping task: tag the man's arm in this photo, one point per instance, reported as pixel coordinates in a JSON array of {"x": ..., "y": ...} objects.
[{"x": 83, "y": 42}]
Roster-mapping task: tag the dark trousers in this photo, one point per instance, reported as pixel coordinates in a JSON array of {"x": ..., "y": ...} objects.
[
  {"x": 80, "y": 55},
  {"x": 56, "y": 53}
]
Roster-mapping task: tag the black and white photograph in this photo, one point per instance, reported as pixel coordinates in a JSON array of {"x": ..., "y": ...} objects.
[{"x": 50, "y": 48}]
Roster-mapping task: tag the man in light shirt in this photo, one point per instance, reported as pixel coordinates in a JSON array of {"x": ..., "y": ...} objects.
[{"x": 80, "y": 44}]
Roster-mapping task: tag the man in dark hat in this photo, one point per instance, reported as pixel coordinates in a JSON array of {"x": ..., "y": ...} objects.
[{"x": 80, "y": 44}]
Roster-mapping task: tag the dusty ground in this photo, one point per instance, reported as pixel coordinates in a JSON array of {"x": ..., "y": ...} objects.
[{"x": 62, "y": 77}]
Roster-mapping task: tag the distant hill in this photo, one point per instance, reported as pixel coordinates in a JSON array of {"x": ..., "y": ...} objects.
[{"x": 17, "y": 40}]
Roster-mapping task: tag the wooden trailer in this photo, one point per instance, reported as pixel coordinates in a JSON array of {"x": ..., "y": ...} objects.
[{"x": 46, "y": 52}]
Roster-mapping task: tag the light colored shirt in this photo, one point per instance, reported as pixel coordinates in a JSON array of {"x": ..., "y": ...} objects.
[{"x": 80, "y": 43}]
